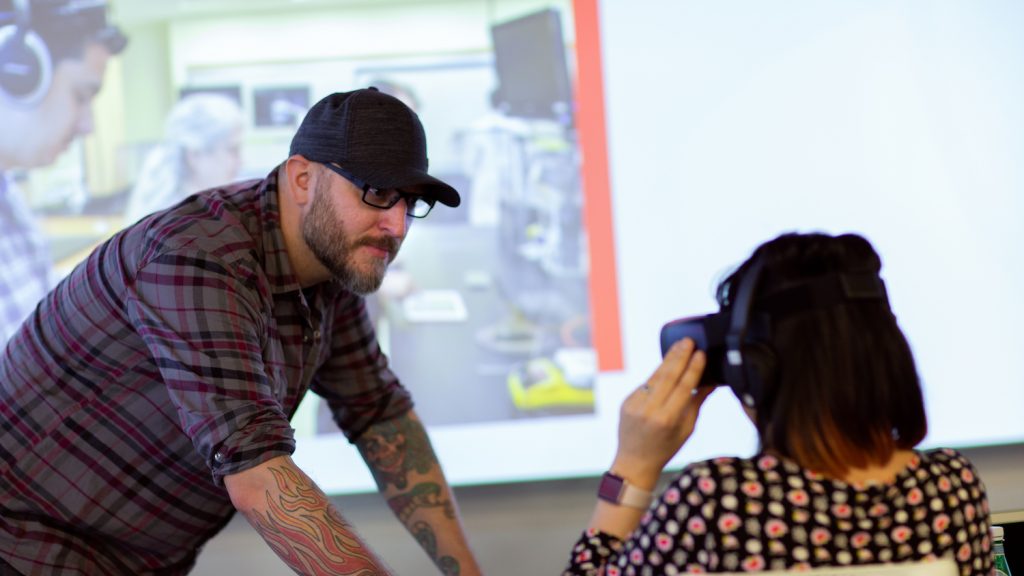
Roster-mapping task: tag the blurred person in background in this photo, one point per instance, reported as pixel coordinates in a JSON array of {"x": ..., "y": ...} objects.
[
  {"x": 201, "y": 149},
  {"x": 53, "y": 55}
]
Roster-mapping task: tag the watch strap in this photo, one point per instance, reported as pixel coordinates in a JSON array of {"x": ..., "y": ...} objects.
[{"x": 617, "y": 490}]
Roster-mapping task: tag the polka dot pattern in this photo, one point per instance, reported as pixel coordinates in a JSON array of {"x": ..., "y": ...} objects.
[{"x": 766, "y": 513}]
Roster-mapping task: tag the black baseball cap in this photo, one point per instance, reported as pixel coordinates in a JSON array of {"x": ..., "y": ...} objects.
[{"x": 374, "y": 137}]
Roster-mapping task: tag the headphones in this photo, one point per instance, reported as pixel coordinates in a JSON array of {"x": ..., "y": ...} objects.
[
  {"x": 738, "y": 341},
  {"x": 26, "y": 66}
]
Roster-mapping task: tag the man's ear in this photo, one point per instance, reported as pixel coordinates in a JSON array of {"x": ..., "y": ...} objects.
[{"x": 298, "y": 172}]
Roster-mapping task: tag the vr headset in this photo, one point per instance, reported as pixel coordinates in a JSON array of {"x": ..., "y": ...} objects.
[{"x": 737, "y": 340}]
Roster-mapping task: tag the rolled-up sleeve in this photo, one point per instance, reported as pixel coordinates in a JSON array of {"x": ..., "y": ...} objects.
[
  {"x": 202, "y": 320},
  {"x": 355, "y": 380}
]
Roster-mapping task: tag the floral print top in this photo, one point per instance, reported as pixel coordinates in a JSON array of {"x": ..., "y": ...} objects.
[{"x": 767, "y": 513}]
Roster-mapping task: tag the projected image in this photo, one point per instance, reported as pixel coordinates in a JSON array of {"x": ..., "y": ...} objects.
[
  {"x": 521, "y": 319},
  {"x": 231, "y": 92},
  {"x": 279, "y": 106},
  {"x": 489, "y": 303}
]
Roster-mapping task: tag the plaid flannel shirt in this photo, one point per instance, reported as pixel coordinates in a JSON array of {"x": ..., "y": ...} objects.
[{"x": 173, "y": 357}]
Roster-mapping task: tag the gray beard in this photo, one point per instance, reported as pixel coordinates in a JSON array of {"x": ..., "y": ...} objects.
[
  {"x": 354, "y": 282},
  {"x": 330, "y": 244}
]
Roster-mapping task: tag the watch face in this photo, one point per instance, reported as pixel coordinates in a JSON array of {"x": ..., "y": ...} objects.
[{"x": 610, "y": 488}]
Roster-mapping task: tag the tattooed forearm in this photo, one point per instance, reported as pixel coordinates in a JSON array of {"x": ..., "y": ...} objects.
[
  {"x": 395, "y": 448},
  {"x": 307, "y": 532},
  {"x": 424, "y": 534},
  {"x": 425, "y": 495},
  {"x": 403, "y": 463}
]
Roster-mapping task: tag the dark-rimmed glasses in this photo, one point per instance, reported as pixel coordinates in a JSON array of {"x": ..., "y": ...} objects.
[{"x": 416, "y": 205}]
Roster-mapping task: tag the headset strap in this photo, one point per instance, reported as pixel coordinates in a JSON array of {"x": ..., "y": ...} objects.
[
  {"x": 739, "y": 316},
  {"x": 824, "y": 292}
]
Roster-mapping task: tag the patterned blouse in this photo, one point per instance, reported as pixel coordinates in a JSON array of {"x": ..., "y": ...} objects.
[{"x": 766, "y": 513}]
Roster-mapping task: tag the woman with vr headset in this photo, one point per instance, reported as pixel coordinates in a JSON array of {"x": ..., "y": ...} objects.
[{"x": 837, "y": 404}]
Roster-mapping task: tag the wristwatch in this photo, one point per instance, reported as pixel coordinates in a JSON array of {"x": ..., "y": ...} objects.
[{"x": 615, "y": 489}]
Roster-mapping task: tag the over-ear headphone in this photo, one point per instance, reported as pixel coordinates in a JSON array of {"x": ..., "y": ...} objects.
[
  {"x": 749, "y": 362},
  {"x": 26, "y": 66},
  {"x": 738, "y": 339}
]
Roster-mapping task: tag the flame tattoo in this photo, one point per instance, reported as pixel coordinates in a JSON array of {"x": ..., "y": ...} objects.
[{"x": 307, "y": 532}]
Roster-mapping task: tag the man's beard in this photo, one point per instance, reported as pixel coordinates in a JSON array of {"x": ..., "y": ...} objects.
[{"x": 326, "y": 238}]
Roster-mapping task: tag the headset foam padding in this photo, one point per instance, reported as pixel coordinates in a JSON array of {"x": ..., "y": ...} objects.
[{"x": 26, "y": 68}]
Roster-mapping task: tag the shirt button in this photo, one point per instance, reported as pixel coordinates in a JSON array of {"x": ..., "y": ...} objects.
[
  {"x": 219, "y": 457},
  {"x": 316, "y": 334}
]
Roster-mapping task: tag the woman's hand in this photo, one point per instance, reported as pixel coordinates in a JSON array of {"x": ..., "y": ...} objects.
[
  {"x": 658, "y": 417},
  {"x": 655, "y": 421}
]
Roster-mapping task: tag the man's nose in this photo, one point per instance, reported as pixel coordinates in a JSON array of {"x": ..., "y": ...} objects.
[{"x": 395, "y": 220}]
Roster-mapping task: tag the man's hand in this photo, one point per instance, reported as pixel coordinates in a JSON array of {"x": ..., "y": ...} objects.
[{"x": 298, "y": 522}]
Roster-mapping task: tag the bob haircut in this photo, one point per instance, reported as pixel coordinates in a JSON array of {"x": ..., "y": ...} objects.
[{"x": 841, "y": 388}]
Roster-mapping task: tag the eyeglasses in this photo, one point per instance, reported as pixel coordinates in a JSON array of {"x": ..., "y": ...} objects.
[{"x": 416, "y": 205}]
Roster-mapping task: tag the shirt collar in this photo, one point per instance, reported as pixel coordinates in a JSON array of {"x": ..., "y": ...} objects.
[{"x": 277, "y": 265}]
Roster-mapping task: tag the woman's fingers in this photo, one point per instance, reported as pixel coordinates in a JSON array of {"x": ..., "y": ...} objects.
[
  {"x": 684, "y": 390},
  {"x": 692, "y": 409},
  {"x": 659, "y": 416},
  {"x": 661, "y": 405},
  {"x": 672, "y": 367}
]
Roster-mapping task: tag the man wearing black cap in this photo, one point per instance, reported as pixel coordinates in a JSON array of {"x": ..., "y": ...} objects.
[{"x": 148, "y": 397}]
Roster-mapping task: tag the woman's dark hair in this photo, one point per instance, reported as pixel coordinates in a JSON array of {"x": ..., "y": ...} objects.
[{"x": 841, "y": 389}]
